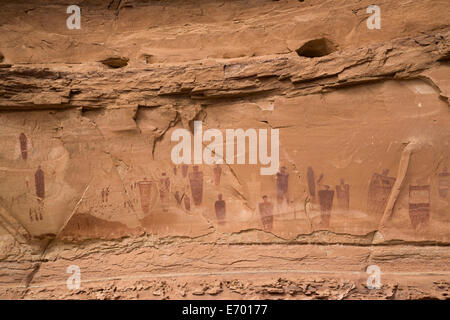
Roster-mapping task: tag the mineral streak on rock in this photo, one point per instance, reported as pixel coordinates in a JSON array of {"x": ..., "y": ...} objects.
[{"x": 86, "y": 174}]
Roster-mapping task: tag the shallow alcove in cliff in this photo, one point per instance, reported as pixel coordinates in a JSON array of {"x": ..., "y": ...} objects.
[
  {"x": 1, "y": 57},
  {"x": 317, "y": 48},
  {"x": 115, "y": 62}
]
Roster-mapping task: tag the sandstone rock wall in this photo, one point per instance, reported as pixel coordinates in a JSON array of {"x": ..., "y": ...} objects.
[{"x": 87, "y": 178}]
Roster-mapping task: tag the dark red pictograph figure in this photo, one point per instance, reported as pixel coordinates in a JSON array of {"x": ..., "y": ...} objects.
[
  {"x": 105, "y": 194},
  {"x": 379, "y": 190},
  {"x": 174, "y": 170},
  {"x": 282, "y": 185},
  {"x": 164, "y": 187},
  {"x": 326, "y": 204},
  {"x": 311, "y": 183},
  {"x": 23, "y": 146},
  {"x": 196, "y": 182},
  {"x": 178, "y": 197},
  {"x": 343, "y": 195},
  {"x": 36, "y": 214},
  {"x": 266, "y": 212},
  {"x": 217, "y": 174},
  {"x": 444, "y": 183},
  {"x": 187, "y": 202},
  {"x": 419, "y": 205},
  {"x": 220, "y": 208},
  {"x": 40, "y": 183},
  {"x": 145, "y": 189},
  {"x": 184, "y": 170}
]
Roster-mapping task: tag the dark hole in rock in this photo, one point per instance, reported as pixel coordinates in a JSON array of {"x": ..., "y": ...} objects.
[
  {"x": 1, "y": 57},
  {"x": 115, "y": 62},
  {"x": 317, "y": 48}
]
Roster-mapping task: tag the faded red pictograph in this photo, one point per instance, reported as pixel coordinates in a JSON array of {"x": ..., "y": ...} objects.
[
  {"x": 217, "y": 174},
  {"x": 379, "y": 190},
  {"x": 343, "y": 195},
  {"x": 34, "y": 216},
  {"x": 145, "y": 191},
  {"x": 266, "y": 213},
  {"x": 220, "y": 209},
  {"x": 282, "y": 185},
  {"x": 40, "y": 183},
  {"x": 419, "y": 205},
  {"x": 187, "y": 202},
  {"x": 164, "y": 187},
  {"x": 184, "y": 170},
  {"x": 326, "y": 204},
  {"x": 311, "y": 183},
  {"x": 178, "y": 197},
  {"x": 105, "y": 194},
  {"x": 444, "y": 183},
  {"x": 23, "y": 146},
  {"x": 196, "y": 182}
]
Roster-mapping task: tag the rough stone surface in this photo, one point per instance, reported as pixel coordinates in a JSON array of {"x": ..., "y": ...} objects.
[{"x": 86, "y": 176}]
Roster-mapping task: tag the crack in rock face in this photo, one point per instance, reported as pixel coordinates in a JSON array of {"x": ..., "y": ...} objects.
[{"x": 133, "y": 150}]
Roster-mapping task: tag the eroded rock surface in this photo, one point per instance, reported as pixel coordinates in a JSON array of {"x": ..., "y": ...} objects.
[{"x": 87, "y": 178}]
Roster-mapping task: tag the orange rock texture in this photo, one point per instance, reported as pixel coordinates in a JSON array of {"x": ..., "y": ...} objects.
[{"x": 361, "y": 168}]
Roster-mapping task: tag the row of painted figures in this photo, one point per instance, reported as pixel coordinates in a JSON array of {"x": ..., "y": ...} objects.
[{"x": 379, "y": 191}]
